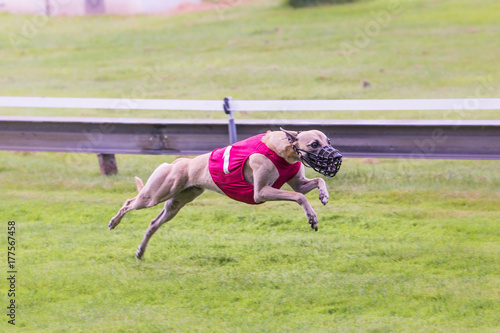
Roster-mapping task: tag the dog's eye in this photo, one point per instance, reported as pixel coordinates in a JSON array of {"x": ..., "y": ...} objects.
[{"x": 315, "y": 144}]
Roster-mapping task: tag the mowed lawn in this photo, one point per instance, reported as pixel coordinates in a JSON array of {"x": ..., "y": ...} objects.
[
  {"x": 260, "y": 50},
  {"x": 403, "y": 245}
]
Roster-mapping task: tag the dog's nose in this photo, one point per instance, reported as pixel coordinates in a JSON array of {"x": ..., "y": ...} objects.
[{"x": 337, "y": 154}]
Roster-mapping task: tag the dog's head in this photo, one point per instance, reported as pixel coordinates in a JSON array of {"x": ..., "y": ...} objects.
[{"x": 315, "y": 150}]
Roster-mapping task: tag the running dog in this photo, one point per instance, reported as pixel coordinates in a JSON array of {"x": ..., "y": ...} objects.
[{"x": 250, "y": 171}]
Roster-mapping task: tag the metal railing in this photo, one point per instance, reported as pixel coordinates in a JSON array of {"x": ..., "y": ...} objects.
[{"x": 466, "y": 139}]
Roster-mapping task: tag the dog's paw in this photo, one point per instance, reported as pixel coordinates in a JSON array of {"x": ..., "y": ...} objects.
[
  {"x": 323, "y": 197},
  {"x": 313, "y": 221},
  {"x": 139, "y": 253},
  {"x": 112, "y": 224}
]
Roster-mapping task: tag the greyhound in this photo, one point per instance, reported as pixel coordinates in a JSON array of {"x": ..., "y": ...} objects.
[{"x": 251, "y": 171}]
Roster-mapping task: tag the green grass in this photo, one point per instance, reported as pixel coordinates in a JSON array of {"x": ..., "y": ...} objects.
[
  {"x": 262, "y": 50},
  {"x": 403, "y": 245}
]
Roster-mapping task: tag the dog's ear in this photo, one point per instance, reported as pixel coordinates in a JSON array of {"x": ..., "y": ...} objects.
[{"x": 290, "y": 135}]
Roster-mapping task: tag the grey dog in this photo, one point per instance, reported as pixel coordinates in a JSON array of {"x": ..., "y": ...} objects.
[{"x": 182, "y": 181}]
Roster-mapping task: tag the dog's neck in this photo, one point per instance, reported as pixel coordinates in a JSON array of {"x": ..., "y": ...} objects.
[{"x": 278, "y": 142}]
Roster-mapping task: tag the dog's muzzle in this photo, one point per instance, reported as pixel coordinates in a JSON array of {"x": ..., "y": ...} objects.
[{"x": 327, "y": 161}]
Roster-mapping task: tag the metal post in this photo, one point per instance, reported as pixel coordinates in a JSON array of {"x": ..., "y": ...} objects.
[
  {"x": 233, "y": 137},
  {"x": 108, "y": 165},
  {"x": 95, "y": 7}
]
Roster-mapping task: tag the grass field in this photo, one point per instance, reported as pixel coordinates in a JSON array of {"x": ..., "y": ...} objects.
[
  {"x": 262, "y": 50},
  {"x": 401, "y": 248},
  {"x": 403, "y": 245}
]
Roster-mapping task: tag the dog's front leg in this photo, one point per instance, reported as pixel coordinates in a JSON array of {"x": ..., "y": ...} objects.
[
  {"x": 263, "y": 175},
  {"x": 303, "y": 185},
  {"x": 309, "y": 184},
  {"x": 268, "y": 193}
]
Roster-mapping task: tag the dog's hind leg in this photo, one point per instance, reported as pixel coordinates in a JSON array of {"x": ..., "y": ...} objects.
[
  {"x": 164, "y": 183},
  {"x": 172, "y": 207},
  {"x": 130, "y": 204}
]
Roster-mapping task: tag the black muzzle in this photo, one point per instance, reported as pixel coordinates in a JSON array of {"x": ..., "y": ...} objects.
[{"x": 327, "y": 161}]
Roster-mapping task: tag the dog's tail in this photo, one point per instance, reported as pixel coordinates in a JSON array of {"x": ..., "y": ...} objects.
[{"x": 139, "y": 183}]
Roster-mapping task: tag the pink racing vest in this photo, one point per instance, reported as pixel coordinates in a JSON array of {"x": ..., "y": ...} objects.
[{"x": 226, "y": 168}]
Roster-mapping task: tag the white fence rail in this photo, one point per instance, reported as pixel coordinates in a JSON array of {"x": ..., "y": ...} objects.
[
  {"x": 461, "y": 138},
  {"x": 247, "y": 105}
]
